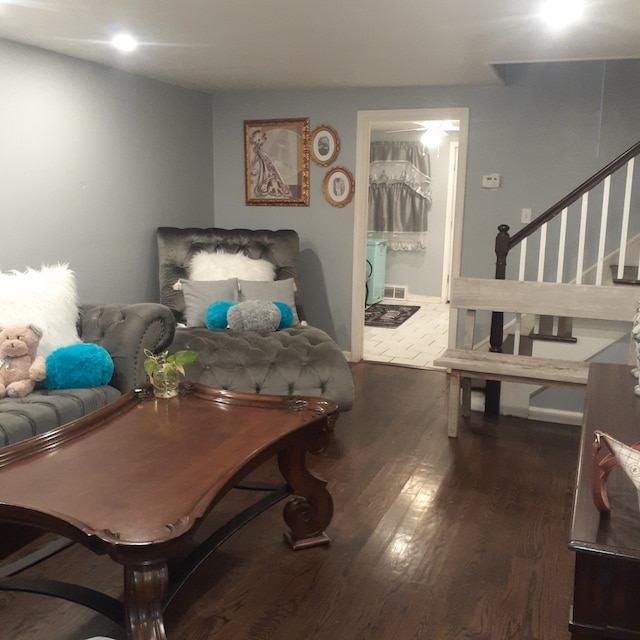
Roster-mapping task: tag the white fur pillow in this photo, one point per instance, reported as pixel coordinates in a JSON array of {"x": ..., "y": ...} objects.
[
  {"x": 222, "y": 266},
  {"x": 47, "y": 298}
]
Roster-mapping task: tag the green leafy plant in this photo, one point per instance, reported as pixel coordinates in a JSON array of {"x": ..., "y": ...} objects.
[{"x": 167, "y": 363}]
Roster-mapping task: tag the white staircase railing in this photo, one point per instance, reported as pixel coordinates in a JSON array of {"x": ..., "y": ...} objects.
[
  {"x": 610, "y": 238},
  {"x": 591, "y": 236}
]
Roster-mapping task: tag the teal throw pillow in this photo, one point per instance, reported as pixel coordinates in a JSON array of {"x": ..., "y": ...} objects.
[
  {"x": 78, "y": 366},
  {"x": 215, "y": 315},
  {"x": 286, "y": 315}
]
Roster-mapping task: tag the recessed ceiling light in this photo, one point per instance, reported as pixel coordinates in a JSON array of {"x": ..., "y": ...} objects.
[
  {"x": 560, "y": 13},
  {"x": 124, "y": 42}
]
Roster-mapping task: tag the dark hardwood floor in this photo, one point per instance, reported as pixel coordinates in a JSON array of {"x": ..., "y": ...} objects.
[{"x": 432, "y": 538}]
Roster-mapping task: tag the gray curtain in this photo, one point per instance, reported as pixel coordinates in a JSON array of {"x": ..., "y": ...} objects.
[{"x": 399, "y": 194}]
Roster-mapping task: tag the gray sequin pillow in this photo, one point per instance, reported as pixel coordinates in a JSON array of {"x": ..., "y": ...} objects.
[{"x": 253, "y": 315}]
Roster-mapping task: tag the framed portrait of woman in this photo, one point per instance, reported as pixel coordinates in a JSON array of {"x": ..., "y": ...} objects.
[{"x": 276, "y": 158}]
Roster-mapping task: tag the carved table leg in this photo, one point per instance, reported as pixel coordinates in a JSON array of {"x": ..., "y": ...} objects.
[
  {"x": 331, "y": 421},
  {"x": 145, "y": 588},
  {"x": 309, "y": 511}
]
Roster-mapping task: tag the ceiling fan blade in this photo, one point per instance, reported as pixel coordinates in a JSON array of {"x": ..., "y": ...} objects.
[{"x": 403, "y": 130}]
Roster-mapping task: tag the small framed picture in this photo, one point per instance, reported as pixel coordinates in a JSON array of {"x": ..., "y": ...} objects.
[
  {"x": 337, "y": 187},
  {"x": 276, "y": 157},
  {"x": 325, "y": 145}
]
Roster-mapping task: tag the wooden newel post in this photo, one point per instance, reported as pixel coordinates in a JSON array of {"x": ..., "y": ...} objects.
[{"x": 492, "y": 389}]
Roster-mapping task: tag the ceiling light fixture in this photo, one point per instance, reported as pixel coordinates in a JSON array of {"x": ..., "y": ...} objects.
[
  {"x": 432, "y": 138},
  {"x": 124, "y": 42},
  {"x": 560, "y": 13}
]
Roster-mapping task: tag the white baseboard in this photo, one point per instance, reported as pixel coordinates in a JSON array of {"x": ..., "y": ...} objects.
[
  {"x": 413, "y": 298},
  {"x": 477, "y": 400},
  {"x": 542, "y": 414},
  {"x": 555, "y": 415},
  {"x": 424, "y": 299}
]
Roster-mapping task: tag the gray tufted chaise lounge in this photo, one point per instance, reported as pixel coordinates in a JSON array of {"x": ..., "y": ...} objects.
[
  {"x": 124, "y": 331},
  {"x": 300, "y": 360}
]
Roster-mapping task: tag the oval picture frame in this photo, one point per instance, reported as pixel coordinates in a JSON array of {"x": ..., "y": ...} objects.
[
  {"x": 325, "y": 145},
  {"x": 337, "y": 187}
]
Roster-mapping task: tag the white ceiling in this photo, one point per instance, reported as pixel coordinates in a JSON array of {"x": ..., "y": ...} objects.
[{"x": 217, "y": 44}]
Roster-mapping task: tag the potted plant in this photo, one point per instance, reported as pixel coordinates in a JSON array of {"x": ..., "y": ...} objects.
[{"x": 163, "y": 370}]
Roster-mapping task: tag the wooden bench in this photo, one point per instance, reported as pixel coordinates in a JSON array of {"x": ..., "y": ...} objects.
[{"x": 469, "y": 295}]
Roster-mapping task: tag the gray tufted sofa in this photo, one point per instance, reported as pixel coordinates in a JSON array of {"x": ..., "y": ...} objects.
[
  {"x": 300, "y": 360},
  {"x": 124, "y": 331}
]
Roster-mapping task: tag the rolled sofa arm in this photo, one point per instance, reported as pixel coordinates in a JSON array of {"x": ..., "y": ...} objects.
[{"x": 125, "y": 331}]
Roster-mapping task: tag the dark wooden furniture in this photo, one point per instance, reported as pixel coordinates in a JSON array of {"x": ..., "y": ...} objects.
[
  {"x": 606, "y": 599},
  {"x": 135, "y": 480}
]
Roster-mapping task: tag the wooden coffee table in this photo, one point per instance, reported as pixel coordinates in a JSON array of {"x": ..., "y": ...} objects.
[{"x": 136, "y": 479}]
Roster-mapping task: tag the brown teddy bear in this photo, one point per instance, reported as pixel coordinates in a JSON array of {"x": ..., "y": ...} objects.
[{"x": 20, "y": 365}]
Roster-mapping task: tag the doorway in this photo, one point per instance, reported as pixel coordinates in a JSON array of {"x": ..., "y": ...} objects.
[{"x": 370, "y": 123}]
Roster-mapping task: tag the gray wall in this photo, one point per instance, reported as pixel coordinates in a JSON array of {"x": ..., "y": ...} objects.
[
  {"x": 326, "y": 232},
  {"x": 92, "y": 160},
  {"x": 546, "y": 131}
]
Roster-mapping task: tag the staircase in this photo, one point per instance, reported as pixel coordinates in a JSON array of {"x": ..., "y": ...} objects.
[{"x": 592, "y": 226}]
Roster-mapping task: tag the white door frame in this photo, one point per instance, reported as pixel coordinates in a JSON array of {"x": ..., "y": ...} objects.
[
  {"x": 361, "y": 198},
  {"x": 452, "y": 181}
]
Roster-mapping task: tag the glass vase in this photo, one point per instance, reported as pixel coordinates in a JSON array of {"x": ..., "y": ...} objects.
[{"x": 165, "y": 383}]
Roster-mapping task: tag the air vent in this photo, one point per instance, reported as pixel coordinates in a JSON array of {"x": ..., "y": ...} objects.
[{"x": 395, "y": 291}]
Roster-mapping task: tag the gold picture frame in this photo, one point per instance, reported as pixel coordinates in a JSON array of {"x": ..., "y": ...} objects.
[
  {"x": 325, "y": 145},
  {"x": 276, "y": 159},
  {"x": 338, "y": 187}
]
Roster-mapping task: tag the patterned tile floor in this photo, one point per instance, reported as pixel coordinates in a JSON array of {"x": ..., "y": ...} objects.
[{"x": 415, "y": 343}]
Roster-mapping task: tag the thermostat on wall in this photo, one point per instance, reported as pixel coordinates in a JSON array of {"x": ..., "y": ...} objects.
[{"x": 491, "y": 181}]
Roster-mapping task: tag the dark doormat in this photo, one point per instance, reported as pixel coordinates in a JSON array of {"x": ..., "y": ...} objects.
[{"x": 387, "y": 315}]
